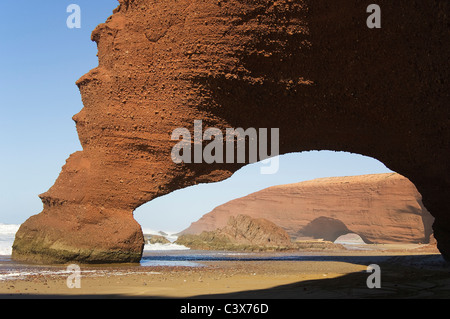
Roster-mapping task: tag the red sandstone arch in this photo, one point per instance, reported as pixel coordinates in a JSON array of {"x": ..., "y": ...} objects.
[{"x": 309, "y": 67}]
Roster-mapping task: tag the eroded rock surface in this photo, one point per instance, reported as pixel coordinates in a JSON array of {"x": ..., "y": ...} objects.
[
  {"x": 309, "y": 67},
  {"x": 241, "y": 232},
  {"x": 381, "y": 208}
]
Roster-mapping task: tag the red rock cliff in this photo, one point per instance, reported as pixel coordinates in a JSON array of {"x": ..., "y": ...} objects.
[
  {"x": 382, "y": 208},
  {"x": 309, "y": 67}
]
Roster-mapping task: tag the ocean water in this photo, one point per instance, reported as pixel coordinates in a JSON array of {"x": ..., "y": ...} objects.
[{"x": 7, "y": 234}]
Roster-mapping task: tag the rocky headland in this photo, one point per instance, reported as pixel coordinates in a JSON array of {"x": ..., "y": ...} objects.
[{"x": 380, "y": 208}]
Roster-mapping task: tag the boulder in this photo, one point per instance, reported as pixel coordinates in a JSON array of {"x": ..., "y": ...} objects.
[{"x": 241, "y": 233}]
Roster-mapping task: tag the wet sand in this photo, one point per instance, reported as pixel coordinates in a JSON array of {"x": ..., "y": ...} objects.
[{"x": 412, "y": 273}]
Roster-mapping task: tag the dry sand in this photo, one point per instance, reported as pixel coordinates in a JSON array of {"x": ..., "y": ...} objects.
[{"x": 416, "y": 273}]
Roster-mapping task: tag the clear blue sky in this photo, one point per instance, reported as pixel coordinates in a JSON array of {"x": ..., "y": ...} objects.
[{"x": 40, "y": 60}]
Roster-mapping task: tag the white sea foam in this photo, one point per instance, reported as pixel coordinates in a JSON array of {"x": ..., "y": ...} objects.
[
  {"x": 172, "y": 237},
  {"x": 7, "y": 234},
  {"x": 152, "y": 247},
  {"x": 15, "y": 274}
]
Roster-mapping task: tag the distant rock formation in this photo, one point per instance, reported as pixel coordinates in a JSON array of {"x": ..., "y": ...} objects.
[
  {"x": 241, "y": 233},
  {"x": 381, "y": 208},
  {"x": 155, "y": 239}
]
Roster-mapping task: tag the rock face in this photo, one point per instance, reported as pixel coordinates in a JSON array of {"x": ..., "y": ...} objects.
[
  {"x": 309, "y": 67},
  {"x": 381, "y": 208},
  {"x": 240, "y": 233}
]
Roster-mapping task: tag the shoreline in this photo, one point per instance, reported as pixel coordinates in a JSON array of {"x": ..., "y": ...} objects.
[{"x": 407, "y": 273}]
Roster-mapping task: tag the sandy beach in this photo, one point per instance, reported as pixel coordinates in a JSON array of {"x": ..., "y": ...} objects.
[{"x": 407, "y": 273}]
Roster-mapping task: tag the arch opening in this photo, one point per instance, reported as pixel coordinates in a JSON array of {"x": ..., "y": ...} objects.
[
  {"x": 327, "y": 228},
  {"x": 183, "y": 210},
  {"x": 350, "y": 239}
]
